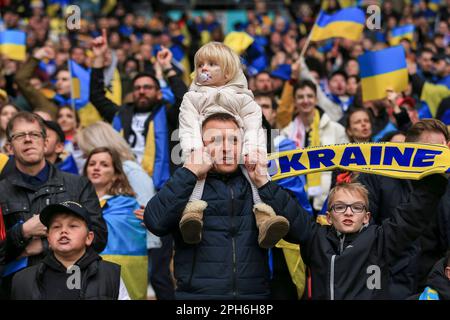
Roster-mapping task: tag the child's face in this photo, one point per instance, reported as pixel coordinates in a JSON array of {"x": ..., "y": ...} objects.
[
  {"x": 348, "y": 221},
  {"x": 212, "y": 69},
  {"x": 69, "y": 234}
]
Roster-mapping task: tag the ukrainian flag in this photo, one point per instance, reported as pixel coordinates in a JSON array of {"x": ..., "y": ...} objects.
[
  {"x": 80, "y": 84},
  {"x": 127, "y": 243},
  {"x": 347, "y": 23},
  {"x": 13, "y": 44},
  {"x": 402, "y": 32},
  {"x": 383, "y": 69}
]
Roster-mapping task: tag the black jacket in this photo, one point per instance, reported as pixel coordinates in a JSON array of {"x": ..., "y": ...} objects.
[
  {"x": 438, "y": 281},
  {"x": 20, "y": 201},
  {"x": 100, "y": 280},
  {"x": 341, "y": 266},
  {"x": 409, "y": 273},
  {"x": 227, "y": 263},
  {"x": 108, "y": 109}
]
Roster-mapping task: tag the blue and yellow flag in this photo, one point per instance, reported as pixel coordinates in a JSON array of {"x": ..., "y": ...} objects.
[
  {"x": 347, "y": 23},
  {"x": 13, "y": 44},
  {"x": 81, "y": 78},
  {"x": 127, "y": 243},
  {"x": 381, "y": 70},
  {"x": 402, "y": 32}
]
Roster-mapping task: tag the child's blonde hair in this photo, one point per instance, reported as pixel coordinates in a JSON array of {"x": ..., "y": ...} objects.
[{"x": 217, "y": 52}]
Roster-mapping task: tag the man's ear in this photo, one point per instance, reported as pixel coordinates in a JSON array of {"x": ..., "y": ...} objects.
[
  {"x": 59, "y": 148},
  {"x": 159, "y": 95}
]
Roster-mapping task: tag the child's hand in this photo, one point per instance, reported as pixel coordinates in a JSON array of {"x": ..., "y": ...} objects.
[
  {"x": 199, "y": 162},
  {"x": 258, "y": 171}
]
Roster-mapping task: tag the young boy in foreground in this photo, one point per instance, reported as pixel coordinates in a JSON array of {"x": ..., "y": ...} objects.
[{"x": 72, "y": 270}]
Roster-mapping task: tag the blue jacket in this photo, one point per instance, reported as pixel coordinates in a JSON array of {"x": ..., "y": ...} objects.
[{"x": 227, "y": 263}]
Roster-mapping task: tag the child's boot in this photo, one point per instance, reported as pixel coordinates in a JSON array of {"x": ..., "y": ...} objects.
[
  {"x": 191, "y": 222},
  {"x": 272, "y": 228}
]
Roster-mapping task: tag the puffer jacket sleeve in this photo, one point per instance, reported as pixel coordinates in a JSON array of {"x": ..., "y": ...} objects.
[
  {"x": 190, "y": 130},
  {"x": 302, "y": 225},
  {"x": 163, "y": 212},
  {"x": 89, "y": 200},
  {"x": 254, "y": 136}
]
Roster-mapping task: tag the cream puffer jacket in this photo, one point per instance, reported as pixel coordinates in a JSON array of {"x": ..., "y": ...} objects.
[{"x": 235, "y": 99}]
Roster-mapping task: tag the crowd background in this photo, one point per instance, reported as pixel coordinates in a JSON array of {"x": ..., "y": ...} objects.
[{"x": 137, "y": 30}]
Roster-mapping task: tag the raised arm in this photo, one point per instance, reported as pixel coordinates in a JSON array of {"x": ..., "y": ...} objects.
[
  {"x": 34, "y": 97},
  {"x": 97, "y": 93}
]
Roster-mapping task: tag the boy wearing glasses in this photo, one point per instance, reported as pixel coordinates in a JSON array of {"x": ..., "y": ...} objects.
[{"x": 350, "y": 259}]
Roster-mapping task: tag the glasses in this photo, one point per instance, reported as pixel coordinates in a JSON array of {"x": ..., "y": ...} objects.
[
  {"x": 34, "y": 135},
  {"x": 342, "y": 207},
  {"x": 145, "y": 87}
]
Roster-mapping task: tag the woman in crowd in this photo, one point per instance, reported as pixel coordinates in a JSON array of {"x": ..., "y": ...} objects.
[{"x": 126, "y": 244}]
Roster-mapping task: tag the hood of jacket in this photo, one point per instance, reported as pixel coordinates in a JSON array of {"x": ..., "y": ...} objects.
[{"x": 438, "y": 281}]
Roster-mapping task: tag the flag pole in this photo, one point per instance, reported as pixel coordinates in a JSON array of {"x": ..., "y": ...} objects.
[
  {"x": 308, "y": 40},
  {"x": 72, "y": 100}
]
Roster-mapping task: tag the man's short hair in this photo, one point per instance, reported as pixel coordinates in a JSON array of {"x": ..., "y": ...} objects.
[
  {"x": 339, "y": 72},
  {"x": 28, "y": 117},
  {"x": 353, "y": 187},
  {"x": 220, "y": 117},
  {"x": 259, "y": 94},
  {"x": 305, "y": 83},
  {"x": 429, "y": 125},
  {"x": 147, "y": 75}
]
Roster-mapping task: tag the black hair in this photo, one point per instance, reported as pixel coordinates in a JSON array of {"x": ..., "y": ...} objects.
[
  {"x": 147, "y": 75},
  {"x": 339, "y": 72},
  {"x": 305, "y": 83}
]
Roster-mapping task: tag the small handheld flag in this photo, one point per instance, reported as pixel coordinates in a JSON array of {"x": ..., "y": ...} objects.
[
  {"x": 12, "y": 44},
  {"x": 402, "y": 32},
  {"x": 382, "y": 69}
]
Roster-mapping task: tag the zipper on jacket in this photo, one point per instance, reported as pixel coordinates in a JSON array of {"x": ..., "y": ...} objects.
[
  {"x": 333, "y": 257},
  {"x": 233, "y": 243},
  {"x": 341, "y": 244}
]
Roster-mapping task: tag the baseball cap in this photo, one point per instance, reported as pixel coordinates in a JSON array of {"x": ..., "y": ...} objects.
[
  {"x": 64, "y": 207},
  {"x": 52, "y": 125}
]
